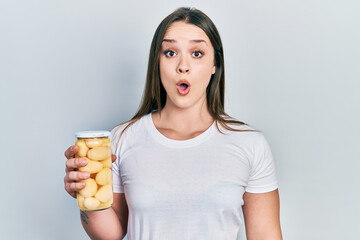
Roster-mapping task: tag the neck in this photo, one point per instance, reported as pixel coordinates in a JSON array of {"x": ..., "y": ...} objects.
[{"x": 192, "y": 118}]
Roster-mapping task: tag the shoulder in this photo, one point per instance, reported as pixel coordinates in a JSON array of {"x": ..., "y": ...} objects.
[
  {"x": 130, "y": 131},
  {"x": 127, "y": 134},
  {"x": 128, "y": 127},
  {"x": 234, "y": 125},
  {"x": 243, "y": 134}
]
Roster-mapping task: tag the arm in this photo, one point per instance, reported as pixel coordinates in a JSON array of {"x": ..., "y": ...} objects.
[
  {"x": 107, "y": 224},
  {"x": 262, "y": 216}
]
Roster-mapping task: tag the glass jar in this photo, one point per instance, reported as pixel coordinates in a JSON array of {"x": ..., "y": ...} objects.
[{"x": 95, "y": 147}]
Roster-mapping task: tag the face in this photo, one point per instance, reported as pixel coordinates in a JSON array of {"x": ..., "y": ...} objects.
[{"x": 186, "y": 65}]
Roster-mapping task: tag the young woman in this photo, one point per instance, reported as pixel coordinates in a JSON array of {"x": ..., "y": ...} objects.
[{"x": 182, "y": 167}]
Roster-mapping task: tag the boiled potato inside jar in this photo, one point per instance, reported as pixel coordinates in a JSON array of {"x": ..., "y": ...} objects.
[
  {"x": 106, "y": 204},
  {"x": 91, "y": 203},
  {"x": 104, "y": 194},
  {"x": 99, "y": 153},
  {"x": 83, "y": 148},
  {"x": 90, "y": 188},
  {"x": 106, "y": 142},
  {"x": 94, "y": 142},
  {"x": 104, "y": 176},
  {"x": 91, "y": 166},
  {"x": 107, "y": 163},
  {"x": 80, "y": 200}
]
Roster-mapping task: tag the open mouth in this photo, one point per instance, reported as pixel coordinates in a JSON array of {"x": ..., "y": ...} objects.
[{"x": 183, "y": 87}]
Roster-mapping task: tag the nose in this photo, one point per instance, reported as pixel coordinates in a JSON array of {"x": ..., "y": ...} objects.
[
  {"x": 182, "y": 70},
  {"x": 183, "y": 66}
]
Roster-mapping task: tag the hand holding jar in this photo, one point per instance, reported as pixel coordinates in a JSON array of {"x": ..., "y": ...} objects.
[{"x": 88, "y": 170}]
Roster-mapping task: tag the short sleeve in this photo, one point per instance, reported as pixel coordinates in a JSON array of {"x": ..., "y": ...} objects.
[
  {"x": 117, "y": 182},
  {"x": 115, "y": 149},
  {"x": 262, "y": 176}
]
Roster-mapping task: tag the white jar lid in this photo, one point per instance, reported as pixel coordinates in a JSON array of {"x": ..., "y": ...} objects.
[{"x": 92, "y": 134}]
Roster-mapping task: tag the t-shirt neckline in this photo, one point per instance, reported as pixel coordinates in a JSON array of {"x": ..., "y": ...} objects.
[{"x": 154, "y": 132}]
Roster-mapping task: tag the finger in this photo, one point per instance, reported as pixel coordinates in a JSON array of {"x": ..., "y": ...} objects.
[
  {"x": 70, "y": 152},
  {"x": 76, "y": 176},
  {"x": 73, "y": 187},
  {"x": 113, "y": 158},
  {"x": 73, "y": 194},
  {"x": 73, "y": 163},
  {"x": 67, "y": 189}
]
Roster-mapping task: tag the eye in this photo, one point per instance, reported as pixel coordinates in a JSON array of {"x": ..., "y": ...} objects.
[
  {"x": 169, "y": 53},
  {"x": 198, "y": 54}
]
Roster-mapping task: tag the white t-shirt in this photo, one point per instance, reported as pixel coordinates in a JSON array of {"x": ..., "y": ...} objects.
[{"x": 188, "y": 189}]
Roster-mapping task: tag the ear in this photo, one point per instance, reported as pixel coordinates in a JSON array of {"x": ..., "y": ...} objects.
[{"x": 214, "y": 68}]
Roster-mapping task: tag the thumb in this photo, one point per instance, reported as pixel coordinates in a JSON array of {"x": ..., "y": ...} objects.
[{"x": 113, "y": 158}]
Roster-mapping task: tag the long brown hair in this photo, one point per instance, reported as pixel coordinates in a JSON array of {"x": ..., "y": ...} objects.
[{"x": 154, "y": 95}]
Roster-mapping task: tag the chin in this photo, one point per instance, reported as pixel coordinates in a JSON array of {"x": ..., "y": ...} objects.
[
  {"x": 184, "y": 105},
  {"x": 184, "y": 102},
  {"x": 181, "y": 103}
]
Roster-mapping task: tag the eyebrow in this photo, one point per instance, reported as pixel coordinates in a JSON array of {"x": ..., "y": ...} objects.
[{"x": 194, "y": 41}]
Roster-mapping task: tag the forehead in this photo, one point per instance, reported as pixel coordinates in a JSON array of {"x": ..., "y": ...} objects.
[{"x": 181, "y": 31}]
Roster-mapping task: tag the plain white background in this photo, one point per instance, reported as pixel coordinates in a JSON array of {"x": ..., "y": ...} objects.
[{"x": 292, "y": 71}]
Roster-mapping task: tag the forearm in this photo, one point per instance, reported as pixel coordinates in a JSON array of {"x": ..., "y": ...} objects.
[
  {"x": 104, "y": 224},
  {"x": 274, "y": 234}
]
